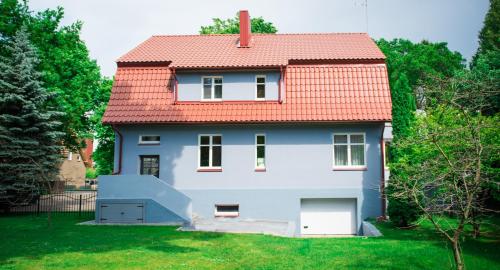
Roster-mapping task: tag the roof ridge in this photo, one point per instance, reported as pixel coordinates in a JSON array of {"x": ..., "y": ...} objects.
[{"x": 264, "y": 34}]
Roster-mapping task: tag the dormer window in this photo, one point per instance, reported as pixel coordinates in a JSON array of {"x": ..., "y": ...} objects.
[
  {"x": 212, "y": 88},
  {"x": 260, "y": 81}
]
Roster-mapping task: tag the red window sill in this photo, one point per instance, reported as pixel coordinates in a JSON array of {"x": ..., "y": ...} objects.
[
  {"x": 351, "y": 169},
  {"x": 260, "y": 170},
  {"x": 209, "y": 170}
]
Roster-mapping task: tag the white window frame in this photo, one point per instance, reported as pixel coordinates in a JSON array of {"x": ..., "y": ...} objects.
[
  {"x": 226, "y": 214},
  {"x": 349, "y": 161},
  {"x": 212, "y": 89},
  {"x": 148, "y": 142},
  {"x": 210, "y": 149},
  {"x": 265, "y": 150},
  {"x": 265, "y": 87}
]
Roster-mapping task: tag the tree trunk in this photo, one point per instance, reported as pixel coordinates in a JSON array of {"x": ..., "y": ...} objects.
[{"x": 457, "y": 255}]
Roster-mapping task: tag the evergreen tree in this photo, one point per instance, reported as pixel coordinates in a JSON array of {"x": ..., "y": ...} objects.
[
  {"x": 489, "y": 37},
  {"x": 29, "y": 140}
]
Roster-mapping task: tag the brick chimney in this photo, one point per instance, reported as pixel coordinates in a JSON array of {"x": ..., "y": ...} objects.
[{"x": 245, "y": 31}]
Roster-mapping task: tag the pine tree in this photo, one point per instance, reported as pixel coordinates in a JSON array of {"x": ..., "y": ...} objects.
[{"x": 29, "y": 140}]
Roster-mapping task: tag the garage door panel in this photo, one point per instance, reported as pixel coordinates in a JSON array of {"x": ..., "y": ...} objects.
[{"x": 328, "y": 216}]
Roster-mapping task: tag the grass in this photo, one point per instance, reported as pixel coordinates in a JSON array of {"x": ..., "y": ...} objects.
[{"x": 27, "y": 243}]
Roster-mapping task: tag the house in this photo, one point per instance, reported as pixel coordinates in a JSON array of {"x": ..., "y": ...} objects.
[
  {"x": 249, "y": 127},
  {"x": 73, "y": 166}
]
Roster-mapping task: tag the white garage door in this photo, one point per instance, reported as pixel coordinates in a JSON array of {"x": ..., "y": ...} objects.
[{"x": 328, "y": 216}]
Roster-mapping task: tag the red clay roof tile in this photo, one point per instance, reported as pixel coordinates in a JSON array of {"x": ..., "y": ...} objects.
[{"x": 314, "y": 93}]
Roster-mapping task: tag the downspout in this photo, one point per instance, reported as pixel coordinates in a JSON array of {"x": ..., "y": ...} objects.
[
  {"x": 120, "y": 147},
  {"x": 382, "y": 180},
  {"x": 282, "y": 84},
  {"x": 176, "y": 85}
]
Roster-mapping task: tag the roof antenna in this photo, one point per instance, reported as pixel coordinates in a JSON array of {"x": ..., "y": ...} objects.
[{"x": 366, "y": 15}]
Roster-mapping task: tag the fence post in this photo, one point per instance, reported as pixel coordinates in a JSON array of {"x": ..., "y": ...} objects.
[{"x": 80, "y": 207}]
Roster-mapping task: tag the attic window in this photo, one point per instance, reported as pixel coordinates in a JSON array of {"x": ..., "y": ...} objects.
[
  {"x": 260, "y": 81},
  {"x": 149, "y": 139},
  {"x": 212, "y": 88},
  {"x": 227, "y": 210}
]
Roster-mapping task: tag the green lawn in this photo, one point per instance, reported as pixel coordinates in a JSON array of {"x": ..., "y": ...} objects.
[{"x": 27, "y": 243}]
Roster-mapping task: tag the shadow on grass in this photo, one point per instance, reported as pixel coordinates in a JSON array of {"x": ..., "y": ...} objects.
[{"x": 30, "y": 237}]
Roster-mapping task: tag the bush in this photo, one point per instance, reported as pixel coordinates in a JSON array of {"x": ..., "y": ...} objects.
[
  {"x": 402, "y": 213},
  {"x": 90, "y": 173}
]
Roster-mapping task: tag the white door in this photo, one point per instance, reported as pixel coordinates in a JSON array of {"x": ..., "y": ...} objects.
[{"x": 328, "y": 216}]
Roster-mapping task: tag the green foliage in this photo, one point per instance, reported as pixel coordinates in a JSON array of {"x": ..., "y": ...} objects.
[
  {"x": 64, "y": 63},
  {"x": 104, "y": 153},
  {"x": 403, "y": 212},
  {"x": 232, "y": 26},
  {"x": 489, "y": 37},
  {"x": 410, "y": 65},
  {"x": 90, "y": 173},
  {"x": 29, "y": 149}
]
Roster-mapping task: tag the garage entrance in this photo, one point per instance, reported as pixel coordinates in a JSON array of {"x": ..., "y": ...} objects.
[{"x": 328, "y": 216}]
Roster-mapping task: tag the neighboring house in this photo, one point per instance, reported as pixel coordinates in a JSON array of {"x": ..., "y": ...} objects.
[
  {"x": 277, "y": 127},
  {"x": 73, "y": 166}
]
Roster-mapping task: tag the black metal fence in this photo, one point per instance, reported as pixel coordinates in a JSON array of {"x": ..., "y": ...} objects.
[{"x": 80, "y": 202}]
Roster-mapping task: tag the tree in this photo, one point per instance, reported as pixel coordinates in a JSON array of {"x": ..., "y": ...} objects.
[
  {"x": 489, "y": 37},
  {"x": 409, "y": 67},
  {"x": 104, "y": 153},
  {"x": 64, "y": 64},
  {"x": 446, "y": 159},
  {"x": 232, "y": 26},
  {"x": 29, "y": 140}
]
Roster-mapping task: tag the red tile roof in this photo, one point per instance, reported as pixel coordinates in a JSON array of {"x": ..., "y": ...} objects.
[
  {"x": 266, "y": 50},
  {"x": 314, "y": 93}
]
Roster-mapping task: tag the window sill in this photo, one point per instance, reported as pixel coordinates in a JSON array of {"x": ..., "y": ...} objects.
[
  {"x": 229, "y": 215},
  {"x": 260, "y": 169},
  {"x": 364, "y": 168},
  {"x": 146, "y": 144},
  {"x": 209, "y": 170}
]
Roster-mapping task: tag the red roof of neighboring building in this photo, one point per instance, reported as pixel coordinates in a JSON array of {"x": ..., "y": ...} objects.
[
  {"x": 313, "y": 93},
  {"x": 266, "y": 50}
]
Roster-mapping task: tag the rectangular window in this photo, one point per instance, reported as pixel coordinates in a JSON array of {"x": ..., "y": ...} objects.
[
  {"x": 212, "y": 88},
  {"x": 349, "y": 150},
  {"x": 210, "y": 151},
  {"x": 149, "y": 139},
  {"x": 387, "y": 153},
  {"x": 260, "y": 151},
  {"x": 227, "y": 210},
  {"x": 260, "y": 86},
  {"x": 150, "y": 165}
]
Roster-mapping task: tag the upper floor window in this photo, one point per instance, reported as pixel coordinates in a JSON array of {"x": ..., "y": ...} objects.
[
  {"x": 212, "y": 88},
  {"x": 260, "y": 86},
  {"x": 349, "y": 150},
  {"x": 149, "y": 139},
  {"x": 150, "y": 165},
  {"x": 260, "y": 151},
  {"x": 210, "y": 152}
]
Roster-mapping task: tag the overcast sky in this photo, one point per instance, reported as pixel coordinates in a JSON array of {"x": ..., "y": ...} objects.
[{"x": 113, "y": 27}]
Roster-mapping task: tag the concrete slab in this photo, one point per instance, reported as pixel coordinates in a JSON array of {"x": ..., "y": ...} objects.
[
  {"x": 93, "y": 223},
  {"x": 277, "y": 228}
]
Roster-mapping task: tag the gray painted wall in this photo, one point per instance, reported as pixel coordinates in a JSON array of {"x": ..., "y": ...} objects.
[
  {"x": 298, "y": 159},
  {"x": 236, "y": 85}
]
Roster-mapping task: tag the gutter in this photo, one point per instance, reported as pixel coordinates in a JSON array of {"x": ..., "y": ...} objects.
[{"x": 120, "y": 147}]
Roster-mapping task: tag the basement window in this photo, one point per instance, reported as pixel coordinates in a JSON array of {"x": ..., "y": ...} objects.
[
  {"x": 149, "y": 139},
  {"x": 227, "y": 210}
]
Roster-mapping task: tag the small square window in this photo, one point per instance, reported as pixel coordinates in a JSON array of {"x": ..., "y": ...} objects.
[{"x": 227, "y": 210}]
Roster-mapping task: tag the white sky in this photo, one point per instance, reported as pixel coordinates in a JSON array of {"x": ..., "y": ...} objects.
[{"x": 113, "y": 27}]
